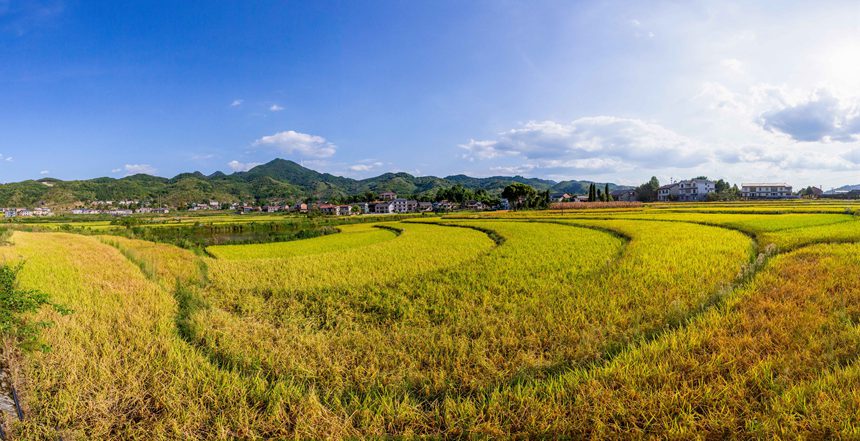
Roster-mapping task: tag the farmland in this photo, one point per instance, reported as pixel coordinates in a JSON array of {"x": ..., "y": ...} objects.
[{"x": 667, "y": 320}]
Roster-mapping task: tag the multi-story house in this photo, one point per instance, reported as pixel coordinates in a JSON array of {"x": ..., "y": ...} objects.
[
  {"x": 624, "y": 195},
  {"x": 404, "y": 205},
  {"x": 687, "y": 191},
  {"x": 695, "y": 189},
  {"x": 383, "y": 207},
  {"x": 766, "y": 191},
  {"x": 668, "y": 192},
  {"x": 388, "y": 195}
]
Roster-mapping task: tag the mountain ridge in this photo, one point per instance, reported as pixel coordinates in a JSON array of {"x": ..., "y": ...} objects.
[{"x": 276, "y": 180}]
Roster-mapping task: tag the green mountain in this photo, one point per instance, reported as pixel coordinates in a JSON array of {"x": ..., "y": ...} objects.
[{"x": 278, "y": 180}]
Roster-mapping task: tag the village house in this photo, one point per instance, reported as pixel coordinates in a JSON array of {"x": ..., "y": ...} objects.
[
  {"x": 271, "y": 208},
  {"x": 152, "y": 210},
  {"x": 559, "y": 197},
  {"x": 300, "y": 207},
  {"x": 624, "y": 195},
  {"x": 363, "y": 207},
  {"x": 85, "y": 211},
  {"x": 388, "y": 195},
  {"x": 766, "y": 191},
  {"x": 504, "y": 204},
  {"x": 474, "y": 205},
  {"x": 668, "y": 192},
  {"x": 328, "y": 209},
  {"x": 383, "y": 207},
  {"x": 687, "y": 191},
  {"x": 425, "y": 206},
  {"x": 444, "y": 205},
  {"x": 404, "y": 205}
]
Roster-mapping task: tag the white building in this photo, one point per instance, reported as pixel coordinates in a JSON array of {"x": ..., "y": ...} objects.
[
  {"x": 687, "y": 191},
  {"x": 766, "y": 191},
  {"x": 383, "y": 207},
  {"x": 404, "y": 205}
]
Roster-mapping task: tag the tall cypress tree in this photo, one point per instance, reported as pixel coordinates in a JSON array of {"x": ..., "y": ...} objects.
[
  {"x": 606, "y": 196},
  {"x": 591, "y": 192}
]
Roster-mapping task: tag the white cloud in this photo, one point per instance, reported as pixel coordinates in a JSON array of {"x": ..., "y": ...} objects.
[
  {"x": 292, "y": 142},
  {"x": 596, "y": 144},
  {"x": 44, "y": 172},
  {"x": 133, "y": 169},
  {"x": 365, "y": 166},
  {"x": 639, "y": 32},
  {"x": 275, "y": 108},
  {"x": 484, "y": 150},
  {"x": 237, "y": 166},
  {"x": 237, "y": 103},
  {"x": 821, "y": 117}
]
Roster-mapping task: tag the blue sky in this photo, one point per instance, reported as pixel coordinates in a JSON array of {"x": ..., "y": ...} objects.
[{"x": 613, "y": 91}]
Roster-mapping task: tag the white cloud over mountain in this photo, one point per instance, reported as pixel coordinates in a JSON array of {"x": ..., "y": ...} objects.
[
  {"x": 237, "y": 166},
  {"x": 597, "y": 144},
  {"x": 302, "y": 144},
  {"x": 133, "y": 169}
]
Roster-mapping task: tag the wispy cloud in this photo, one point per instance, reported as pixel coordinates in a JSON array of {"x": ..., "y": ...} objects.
[
  {"x": 292, "y": 142},
  {"x": 133, "y": 169},
  {"x": 44, "y": 172},
  {"x": 365, "y": 166},
  {"x": 275, "y": 108},
  {"x": 20, "y": 18},
  {"x": 237, "y": 102},
  {"x": 237, "y": 166}
]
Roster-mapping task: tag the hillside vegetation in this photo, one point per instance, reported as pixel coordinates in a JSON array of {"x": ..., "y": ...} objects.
[{"x": 277, "y": 180}]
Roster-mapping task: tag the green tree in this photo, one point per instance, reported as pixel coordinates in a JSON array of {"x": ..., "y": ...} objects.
[
  {"x": 519, "y": 195},
  {"x": 606, "y": 196},
  {"x": 647, "y": 192}
]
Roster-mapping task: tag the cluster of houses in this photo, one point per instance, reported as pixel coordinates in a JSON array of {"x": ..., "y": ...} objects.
[
  {"x": 118, "y": 208},
  {"x": 692, "y": 190},
  {"x": 27, "y": 212},
  {"x": 686, "y": 191},
  {"x": 121, "y": 211},
  {"x": 389, "y": 203}
]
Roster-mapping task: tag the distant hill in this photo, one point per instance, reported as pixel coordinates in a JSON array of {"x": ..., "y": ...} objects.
[
  {"x": 845, "y": 189},
  {"x": 279, "y": 179}
]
